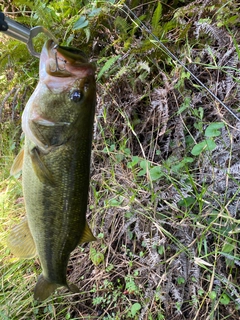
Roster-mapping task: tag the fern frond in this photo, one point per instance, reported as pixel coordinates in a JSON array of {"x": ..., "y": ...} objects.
[
  {"x": 157, "y": 16},
  {"x": 121, "y": 24},
  {"x": 215, "y": 33}
]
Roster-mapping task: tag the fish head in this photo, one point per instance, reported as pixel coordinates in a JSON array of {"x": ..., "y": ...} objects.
[{"x": 64, "y": 100}]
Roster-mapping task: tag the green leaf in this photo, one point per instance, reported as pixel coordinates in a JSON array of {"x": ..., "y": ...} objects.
[
  {"x": 182, "y": 164},
  {"x": 121, "y": 24},
  {"x": 186, "y": 202},
  {"x": 161, "y": 250},
  {"x": 135, "y": 160},
  {"x": 212, "y": 295},
  {"x": 155, "y": 173},
  {"x": 144, "y": 164},
  {"x": 135, "y": 308},
  {"x": 225, "y": 299},
  {"x": 68, "y": 316},
  {"x": 180, "y": 280},
  {"x": 82, "y": 22},
  {"x": 157, "y": 15},
  {"x": 213, "y": 129},
  {"x": 107, "y": 65},
  {"x": 95, "y": 12},
  {"x": 185, "y": 105},
  {"x": 207, "y": 144},
  {"x": 228, "y": 247},
  {"x": 201, "y": 292},
  {"x": 96, "y": 256},
  {"x": 114, "y": 202},
  {"x": 87, "y": 33}
]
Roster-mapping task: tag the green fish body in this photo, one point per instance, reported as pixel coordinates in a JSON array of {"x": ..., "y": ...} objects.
[{"x": 58, "y": 125}]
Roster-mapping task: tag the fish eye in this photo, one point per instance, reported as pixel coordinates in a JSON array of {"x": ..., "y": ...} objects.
[{"x": 75, "y": 96}]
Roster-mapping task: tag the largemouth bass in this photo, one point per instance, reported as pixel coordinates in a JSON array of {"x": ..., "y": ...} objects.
[{"x": 55, "y": 162}]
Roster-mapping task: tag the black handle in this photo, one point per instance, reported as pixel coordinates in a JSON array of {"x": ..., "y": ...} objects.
[{"x": 3, "y": 24}]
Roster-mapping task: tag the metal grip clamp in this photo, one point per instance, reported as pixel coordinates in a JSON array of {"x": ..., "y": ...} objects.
[{"x": 24, "y": 34}]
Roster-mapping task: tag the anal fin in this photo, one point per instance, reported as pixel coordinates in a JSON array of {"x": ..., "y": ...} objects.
[
  {"x": 87, "y": 235},
  {"x": 20, "y": 241}
]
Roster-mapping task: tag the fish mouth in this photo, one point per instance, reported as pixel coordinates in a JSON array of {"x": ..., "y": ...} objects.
[{"x": 61, "y": 61}]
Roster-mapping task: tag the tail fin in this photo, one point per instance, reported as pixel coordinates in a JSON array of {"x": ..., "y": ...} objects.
[
  {"x": 44, "y": 288},
  {"x": 72, "y": 287}
]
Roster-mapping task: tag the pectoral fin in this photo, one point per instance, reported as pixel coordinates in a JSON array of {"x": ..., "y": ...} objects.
[
  {"x": 42, "y": 172},
  {"x": 17, "y": 164},
  {"x": 87, "y": 235},
  {"x": 20, "y": 241}
]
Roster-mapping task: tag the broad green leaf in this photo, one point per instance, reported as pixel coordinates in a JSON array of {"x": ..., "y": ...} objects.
[
  {"x": 135, "y": 160},
  {"x": 135, "y": 308},
  {"x": 96, "y": 256},
  {"x": 186, "y": 202},
  {"x": 95, "y": 12},
  {"x": 121, "y": 24},
  {"x": 68, "y": 316},
  {"x": 180, "y": 280},
  {"x": 228, "y": 247},
  {"x": 155, "y": 173},
  {"x": 212, "y": 295},
  {"x": 161, "y": 250},
  {"x": 208, "y": 145},
  {"x": 114, "y": 202},
  {"x": 225, "y": 299},
  {"x": 145, "y": 165},
  {"x": 213, "y": 129},
  {"x": 82, "y": 22},
  {"x": 187, "y": 160}
]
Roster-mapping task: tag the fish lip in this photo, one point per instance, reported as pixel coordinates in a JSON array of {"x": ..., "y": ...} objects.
[
  {"x": 73, "y": 56},
  {"x": 61, "y": 61}
]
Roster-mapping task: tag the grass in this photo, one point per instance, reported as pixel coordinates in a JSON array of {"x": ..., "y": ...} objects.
[{"x": 164, "y": 192}]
